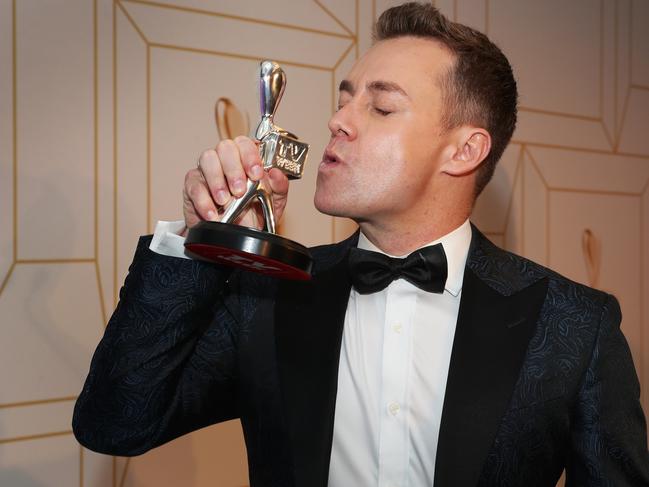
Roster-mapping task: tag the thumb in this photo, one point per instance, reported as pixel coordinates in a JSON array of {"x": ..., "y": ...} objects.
[{"x": 279, "y": 186}]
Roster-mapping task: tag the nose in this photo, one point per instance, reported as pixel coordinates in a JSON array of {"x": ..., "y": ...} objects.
[{"x": 341, "y": 123}]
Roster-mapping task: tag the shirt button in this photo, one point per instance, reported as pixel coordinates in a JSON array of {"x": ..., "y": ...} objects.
[
  {"x": 397, "y": 328},
  {"x": 394, "y": 408}
]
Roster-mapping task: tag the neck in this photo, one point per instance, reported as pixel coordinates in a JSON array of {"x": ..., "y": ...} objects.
[
  {"x": 402, "y": 238},
  {"x": 444, "y": 207}
]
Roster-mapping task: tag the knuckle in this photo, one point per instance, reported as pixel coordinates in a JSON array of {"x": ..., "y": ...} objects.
[
  {"x": 242, "y": 140},
  {"x": 224, "y": 146},
  {"x": 206, "y": 154},
  {"x": 194, "y": 191}
]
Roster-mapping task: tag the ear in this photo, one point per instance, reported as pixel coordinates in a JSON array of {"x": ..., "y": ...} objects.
[{"x": 470, "y": 146}]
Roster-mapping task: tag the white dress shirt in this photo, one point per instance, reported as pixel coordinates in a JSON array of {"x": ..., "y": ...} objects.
[{"x": 394, "y": 360}]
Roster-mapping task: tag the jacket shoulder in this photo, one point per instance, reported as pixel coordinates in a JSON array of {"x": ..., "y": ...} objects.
[{"x": 508, "y": 273}]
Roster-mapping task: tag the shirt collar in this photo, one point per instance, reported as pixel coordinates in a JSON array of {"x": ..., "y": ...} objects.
[{"x": 456, "y": 247}]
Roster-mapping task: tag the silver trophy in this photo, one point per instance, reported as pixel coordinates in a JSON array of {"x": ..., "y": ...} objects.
[{"x": 248, "y": 248}]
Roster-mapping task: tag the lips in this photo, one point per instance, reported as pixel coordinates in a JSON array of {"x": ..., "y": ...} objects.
[{"x": 330, "y": 159}]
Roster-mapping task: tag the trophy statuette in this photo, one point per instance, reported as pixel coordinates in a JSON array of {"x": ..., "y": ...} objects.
[{"x": 264, "y": 251}]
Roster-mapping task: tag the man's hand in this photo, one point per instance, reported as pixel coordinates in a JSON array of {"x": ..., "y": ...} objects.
[{"x": 222, "y": 175}]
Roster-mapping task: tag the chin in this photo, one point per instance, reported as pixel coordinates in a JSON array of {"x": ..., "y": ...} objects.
[{"x": 328, "y": 206}]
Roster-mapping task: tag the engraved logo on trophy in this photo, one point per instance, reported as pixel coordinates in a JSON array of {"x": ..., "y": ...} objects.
[{"x": 248, "y": 248}]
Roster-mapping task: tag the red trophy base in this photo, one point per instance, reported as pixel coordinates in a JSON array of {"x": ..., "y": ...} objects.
[{"x": 250, "y": 249}]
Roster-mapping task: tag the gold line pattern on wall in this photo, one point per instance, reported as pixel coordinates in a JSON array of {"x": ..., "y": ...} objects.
[
  {"x": 34, "y": 437},
  {"x": 510, "y": 203},
  {"x": 644, "y": 353},
  {"x": 115, "y": 216},
  {"x": 581, "y": 149},
  {"x": 37, "y": 402},
  {"x": 123, "y": 479},
  {"x": 236, "y": 56},
  {"x": 336, "y": 19},
  {"x": 559, "y": 114},
  {"x": 6, "y": 279},
  {"x": 55, "y": 261},
  {"x": 80, "y": 466},
  {"x": 240, "y": 18},
  {"x": 601, "y": 64},
  {"x": 14, "y": 90},
  {"x": 615, "y": 73},
  {"x": 132, "y": 22}
]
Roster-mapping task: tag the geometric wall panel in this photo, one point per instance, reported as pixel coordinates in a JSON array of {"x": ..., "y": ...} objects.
[
  {"x": 6, "y": 142},
  {"x": 491, "y": 212},
  {"x": 640, "y": 43},
  {"x": 564, "y": 76},
  {"x": 303, "y": 15},
  {"x": 54, "y": 130},
  {"x": 636, "y": 122},
  {"x": 131, "y": 141},
  {"x": 589, "y": 171},
  {"x": 164, "y": 26},
  {"x": 566, "y": 131},
  {"x": 49, "y": 337},
  {"x": 35, "y": 419},
  {"x": 47, "y": 462}
]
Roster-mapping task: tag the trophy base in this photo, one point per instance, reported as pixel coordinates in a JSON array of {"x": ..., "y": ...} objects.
[{"x": 250, "y": 249}]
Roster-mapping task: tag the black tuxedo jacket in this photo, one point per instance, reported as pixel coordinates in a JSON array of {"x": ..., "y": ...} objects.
[{"x": 541, "y": 378}]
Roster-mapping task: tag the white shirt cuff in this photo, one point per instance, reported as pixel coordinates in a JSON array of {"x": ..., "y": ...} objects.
[{"x": 167, "y": 241}]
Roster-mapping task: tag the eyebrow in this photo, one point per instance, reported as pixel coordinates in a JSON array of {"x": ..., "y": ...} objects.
[{"x": 385, "y": 86}]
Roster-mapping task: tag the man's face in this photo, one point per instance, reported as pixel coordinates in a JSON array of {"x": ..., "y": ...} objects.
[{"x": 386, "y": 137}]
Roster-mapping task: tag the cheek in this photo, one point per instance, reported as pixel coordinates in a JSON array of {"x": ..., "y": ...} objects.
[
  {"x": 386, "y": 154},
  {"x": 399, "y": 158}
]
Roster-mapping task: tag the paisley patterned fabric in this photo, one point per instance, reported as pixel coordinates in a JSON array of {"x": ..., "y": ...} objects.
[{"x": 191, "y": 344}]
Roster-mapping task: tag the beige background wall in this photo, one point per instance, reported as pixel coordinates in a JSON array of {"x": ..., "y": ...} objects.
[{"x": 105, "y": 104}]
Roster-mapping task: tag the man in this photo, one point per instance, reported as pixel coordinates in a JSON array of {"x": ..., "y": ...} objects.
[{"x": 476, "y": 367}]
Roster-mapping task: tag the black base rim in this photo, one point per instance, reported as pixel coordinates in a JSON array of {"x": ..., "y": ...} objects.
[{"x": 250, "y": 249}]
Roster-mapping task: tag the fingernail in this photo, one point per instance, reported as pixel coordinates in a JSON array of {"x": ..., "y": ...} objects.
[
  {"x": 256, "y": 171},
  {"x": 211, "y": 215},
  {"x": 238, "y": 186},
  {"x": 222, "y": 197}
]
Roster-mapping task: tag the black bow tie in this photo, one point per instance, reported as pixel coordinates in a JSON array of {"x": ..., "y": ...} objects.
[{"x": 373, "y": 271}]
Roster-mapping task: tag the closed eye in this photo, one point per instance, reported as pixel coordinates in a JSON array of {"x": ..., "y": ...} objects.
[{"x": 383, "y": 113}]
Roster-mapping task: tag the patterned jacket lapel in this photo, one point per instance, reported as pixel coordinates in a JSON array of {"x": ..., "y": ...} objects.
[{"x": 499, "y": 308}]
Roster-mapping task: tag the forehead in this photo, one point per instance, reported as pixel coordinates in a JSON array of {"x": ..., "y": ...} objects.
[{"x": 411, "y": 62}]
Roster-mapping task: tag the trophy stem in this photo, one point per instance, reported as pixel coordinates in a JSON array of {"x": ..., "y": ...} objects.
[
  {"x": 264, "y": 196},
  {"x": 266, "y": 202}
]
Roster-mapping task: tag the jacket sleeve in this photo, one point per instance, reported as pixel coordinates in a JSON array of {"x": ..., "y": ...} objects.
[
  {"x": 608, "y": 428},
  {"x": 165, "y": 365}
]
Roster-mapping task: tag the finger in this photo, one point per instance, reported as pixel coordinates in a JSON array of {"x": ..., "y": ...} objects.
[
  {"x": 197, "y": 194},
  {"x": 210, "y": 167},
  {"x": 279, "y": 185},
  {"x": 250, "y": 158},
  {"x": 278, "y": 182},
  {"x": 230, "y": 159}
]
